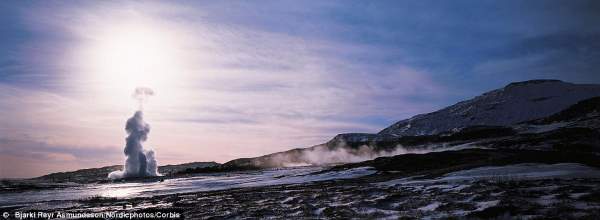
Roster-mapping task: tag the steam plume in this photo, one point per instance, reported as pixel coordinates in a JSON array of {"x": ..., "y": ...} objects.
[
  {"x": 139, "y": 162},
  {"x": 342, "y": 153},
  {"x": 141, "y": 94}
]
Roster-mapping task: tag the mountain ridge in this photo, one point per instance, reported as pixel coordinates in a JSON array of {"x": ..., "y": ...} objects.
[{"x": 516, "y": 102}]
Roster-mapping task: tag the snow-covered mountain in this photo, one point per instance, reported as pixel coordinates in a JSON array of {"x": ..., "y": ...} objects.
[{"x": 517, "y": 102}]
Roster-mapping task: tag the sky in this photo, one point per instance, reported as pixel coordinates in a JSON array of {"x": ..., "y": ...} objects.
[{"x": 245, "y": 78}]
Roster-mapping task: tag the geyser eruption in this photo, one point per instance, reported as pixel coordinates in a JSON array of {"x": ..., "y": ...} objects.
[{"x": 139, "y": 162}]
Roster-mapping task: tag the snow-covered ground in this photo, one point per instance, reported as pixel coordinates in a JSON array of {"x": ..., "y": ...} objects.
[{"x": 207, "y": 182}]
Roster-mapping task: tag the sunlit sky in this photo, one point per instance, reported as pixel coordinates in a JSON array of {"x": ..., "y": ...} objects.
[{"x": 246, "y": 78}]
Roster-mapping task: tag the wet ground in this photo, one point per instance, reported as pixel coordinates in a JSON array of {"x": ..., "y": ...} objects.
[{"x": 567, "y": 192}]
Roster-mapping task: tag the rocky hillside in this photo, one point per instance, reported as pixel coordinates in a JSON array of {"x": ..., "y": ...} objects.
[
  {"x": 537, "y": 114},
  {"x": 516, "y": 102}
]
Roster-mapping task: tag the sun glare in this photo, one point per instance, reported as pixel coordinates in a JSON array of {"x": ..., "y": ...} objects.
[
  {"x": 124, "y": 57},
  {"x": 133, "y": 56}
]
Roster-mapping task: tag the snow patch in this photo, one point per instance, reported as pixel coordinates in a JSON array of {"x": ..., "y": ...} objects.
[
  {"x": 487, "y": 204},
  {"x": 544, "y": 128},
  {"x": 430, "y": 207}
]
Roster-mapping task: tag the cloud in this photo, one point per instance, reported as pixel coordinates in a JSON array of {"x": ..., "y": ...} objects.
[{"x": 41, "y": 150}]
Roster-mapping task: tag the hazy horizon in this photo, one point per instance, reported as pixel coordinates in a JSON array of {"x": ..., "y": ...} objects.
[{"x": 244, "y": 79}]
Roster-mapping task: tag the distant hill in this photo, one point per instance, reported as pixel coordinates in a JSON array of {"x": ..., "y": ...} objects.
[{"x": 101, "y": 174}]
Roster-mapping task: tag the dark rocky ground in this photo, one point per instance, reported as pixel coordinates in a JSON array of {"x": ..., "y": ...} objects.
[
  {"x": 363, "y": 199},
  {"x": 373, "y": 197}
]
